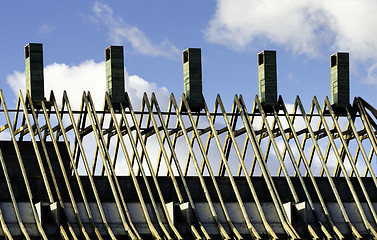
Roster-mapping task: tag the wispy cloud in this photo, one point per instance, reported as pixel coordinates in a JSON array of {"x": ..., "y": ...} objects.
[
  {"x": 371, "y": 77},
  {"x": 303, "y": 26},
  {"x": 121, "y": 32},
  {"x": 46, "y": 28}
]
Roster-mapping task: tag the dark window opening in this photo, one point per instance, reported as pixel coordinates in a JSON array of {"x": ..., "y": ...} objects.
[
  {"x": 107, "y": 53},
  {"x": 27, "y": 51},
  {"x": 333, "y": 60},
  {"x": 46, "y": 215},
  {"x": 185, "y": 56},
  {"x": 260, "y": 59}
]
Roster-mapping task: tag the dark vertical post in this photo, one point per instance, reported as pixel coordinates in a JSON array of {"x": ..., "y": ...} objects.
[
  {"x": 267, "y": 77},
  {"x": 34, "y": 71},
  {"x": 340, "y": 90},
  {"x": 115, "y": 74},
  {"x": 192, "y": 78}
]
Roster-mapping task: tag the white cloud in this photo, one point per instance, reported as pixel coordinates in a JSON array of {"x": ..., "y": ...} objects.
[
  {"x": 372, "y": 74},
  {"x": 136, "y": 86},
  {"x": 87, "y": 76},
  {"x": 303, "y": 26},
  {"x": 121, "y": 32},
  {"x": 46, "y": 28}
]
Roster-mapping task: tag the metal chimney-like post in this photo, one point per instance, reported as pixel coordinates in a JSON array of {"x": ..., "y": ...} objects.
[
  {"x": 115, "y": 74},
  {"x": 267, "y": 77},
  {"x": 34, "y": 71},
  {"x": 192, "y": 78},
  {"x": 340, "y": 89}
]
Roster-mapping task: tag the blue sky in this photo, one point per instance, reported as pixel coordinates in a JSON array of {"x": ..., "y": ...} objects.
[{"x": 154, "y": 33}]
